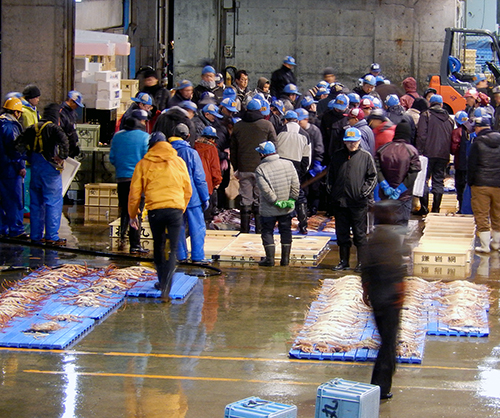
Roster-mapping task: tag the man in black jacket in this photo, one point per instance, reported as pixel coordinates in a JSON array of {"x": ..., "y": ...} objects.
[
  {"x": 283, "y": 76},
  {"x": 67, "y": 120},
  {"x": 47, "y": 148},
  {"x": 352, "y": 176},
  {"x": 483, "y": 177}
]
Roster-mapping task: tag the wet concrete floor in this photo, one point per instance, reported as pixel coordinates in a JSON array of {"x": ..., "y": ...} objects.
[{"x": 229, "y": 340}]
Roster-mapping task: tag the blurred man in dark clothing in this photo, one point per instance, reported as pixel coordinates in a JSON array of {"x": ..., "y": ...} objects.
[{"x": 383, "y": 288}]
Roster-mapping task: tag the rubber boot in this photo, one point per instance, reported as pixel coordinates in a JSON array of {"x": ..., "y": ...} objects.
[
  {"x": 270, "y": 253},
  {"x": 484, "y": 238},
  {"x": 245, "y": 214},
  {"x": 256, "y": 217},
  {"x": 344, "y": 253},
  {"x": 495, "y": 240},
  {"x": 302, "y": 217},
  {"x": 424, "y": 205},
  {"x": 436, "y": 202},
  {"x": 285, "y": 254}
]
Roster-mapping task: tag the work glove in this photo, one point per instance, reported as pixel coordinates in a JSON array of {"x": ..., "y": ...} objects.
[
  {"x": 205, "y": 205},
  {"x": 316, "y": 168},
  {"x": 282, "y": 204},
  {"x": 388, "y": 190},
  {"x": 398, "y": 191}
]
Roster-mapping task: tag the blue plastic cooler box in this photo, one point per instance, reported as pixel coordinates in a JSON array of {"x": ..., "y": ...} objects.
[
  {"x": 341, "y": 398},
  {"x": 254, "y": 407}
]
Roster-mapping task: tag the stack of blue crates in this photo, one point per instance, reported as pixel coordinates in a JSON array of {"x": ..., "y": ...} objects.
[
  {"x": 254, "y": 407},
  {"x": 346, "y": 399}
]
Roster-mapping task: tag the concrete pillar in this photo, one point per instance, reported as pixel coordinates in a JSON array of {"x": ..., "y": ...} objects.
[{"x": 37, "y": 47}]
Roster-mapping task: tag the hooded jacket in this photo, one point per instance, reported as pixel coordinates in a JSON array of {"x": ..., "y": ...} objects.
[
  {"x": 195, "y": 169},
  {"x": 434, "y": 133},
  {"x": 54, "y": 141},
  {"x": 169, "y": 119},
  {"x": 11, "y": 161},
  {"x": 410, "y": 86},
  {"x": 277, "y": 180},
  {"x": 483, "y": 165},
  {"x": 352, "y": 176},
  {"x": 211, "y": 164},
  {"x": 247, "y": 134},
  {"x": 163, "y": 178},
  {"x": 384, "y": 133},
  {"x": 30, "y": 114}
]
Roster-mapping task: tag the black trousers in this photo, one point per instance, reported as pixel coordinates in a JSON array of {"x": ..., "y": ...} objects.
[
  {"x": 387, "y": 320},
  {"x": 347, "y": 218},
  {"x": 284, "y": 227},
  {"x": 161, "y": 221},
  {"x": 436, "y": 169},
  {"x": 123, "y": 189},
  {"x": 460, "y": 183}
]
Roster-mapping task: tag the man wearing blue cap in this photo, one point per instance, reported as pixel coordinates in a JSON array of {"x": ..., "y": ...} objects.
[
  {"x": 279, "y": 189},
  {"x": 368, "y": 83},
  {"x": 352, "y": 176},
  {"x": 434, "y": 132},
  {"x": 183, "y": 91},
  {"x": 283, "y": 76},
  {"x": 207, "y": 84},
  {"x": 289, "y": 96},
  {"x": 294, "y": 144},
  {"x": 332, "y": 125},
  {"x": 143, "y": 101},
  {"x": 170, "y": 118},
  {"x": 206, "y": 117},
  {"x": 67, "y": 120},
  {"x": 247, "y": 134}
]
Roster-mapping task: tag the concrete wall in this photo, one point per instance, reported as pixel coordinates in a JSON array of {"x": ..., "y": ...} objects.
[
  {"x": 37, "y": 46},
  {"x": 99, "y": 14},
  {"x": 403, "y": 36}
]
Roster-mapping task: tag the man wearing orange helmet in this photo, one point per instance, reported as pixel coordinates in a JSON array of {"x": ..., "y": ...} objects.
[{"x": 12, "y": 171}]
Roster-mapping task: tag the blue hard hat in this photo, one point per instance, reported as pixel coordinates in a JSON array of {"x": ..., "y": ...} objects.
[
  {"x": 157, "y": 137},
  {"x": 353, "y": 98},
  {"x": 352, "y": 135},
  {"x": 308, "y": 101},
  {"x": 370, "y": 79},
  {"x": 229, "y": 92},
  {"x": 301, "y": 113},
  {"x": 212, "y": 109},
  {"x": 377, "y": 103},
  {"x": 392, "y": 100},
  {"x": 461, "y": 117},
  {"x": 266, "y": 148},
  {"x": 436, "y": 98},
  {"x": 290, "y": 114},
  {"x": 254, "y": 104},
  {"x": 189, "y": 105},
  {"x": 183, "y": 84},
  {"x": 323, "y": 84},
  {"x": 76, "y": 96},
  {"x": 484, "y": 120},
  {"x": 478, "y": 112},
  {"x": 278, "y": 104},
  {"x": 209, "y": 132},
  {"x": 291, "y": 89},
  {"x": 321, "y": 91},
  {"x": 143, "y": 98},
  {"x": 341, "y": 102},
  {"x": 289, "y": 60},
  {"x": 208, "y": 69},
  {"x": 478, "y": 78},
  {"x": 265, "y": 109},
  {"x": 229, "y": 104}
]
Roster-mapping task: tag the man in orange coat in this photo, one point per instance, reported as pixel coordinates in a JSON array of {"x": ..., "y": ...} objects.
[{"x": 207, "y": 148}]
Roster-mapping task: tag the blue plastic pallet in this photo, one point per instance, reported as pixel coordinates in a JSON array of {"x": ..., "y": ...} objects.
[{"x": 182, "y": 284}]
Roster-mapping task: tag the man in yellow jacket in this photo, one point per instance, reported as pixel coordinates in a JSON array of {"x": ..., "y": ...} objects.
[{"x": 163, "y": 178}]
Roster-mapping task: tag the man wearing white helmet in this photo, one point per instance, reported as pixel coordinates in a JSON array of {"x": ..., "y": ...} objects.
[{"x": 352, "y": 176}]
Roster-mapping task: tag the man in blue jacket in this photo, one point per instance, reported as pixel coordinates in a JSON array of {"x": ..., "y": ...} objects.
[
  {"x": 12, "y": 171},
  {"x": 200, "y": 198},
  {"x": 128, "y": 147}
]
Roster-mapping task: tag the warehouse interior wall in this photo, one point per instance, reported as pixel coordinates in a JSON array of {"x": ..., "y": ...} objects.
[
  {"x": 37, "y": 46},
  {"x": 99, "y": 14},
  {"x": 404, "y": 37}
]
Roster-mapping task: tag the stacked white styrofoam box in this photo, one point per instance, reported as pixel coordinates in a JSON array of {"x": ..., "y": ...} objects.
[{"x": 108, "y": 89}]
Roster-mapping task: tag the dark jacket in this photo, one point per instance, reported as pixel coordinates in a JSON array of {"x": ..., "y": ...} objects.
[
  {"x": 317, "y": 147},
  {"x": 332, "y": 128},
  {"x": 159, "y": 94},
  {"x": 484, "y": 160},
  {"x": 460, "y": 145},
  {"x": 169, "y": 119},
  {"x": 54, "y": 140},
  {"x": 247, "y": 134},
  {"x": 280, "y": 78},
  {"x": 352, "y": 176},
  {"x": 200, "y": 122},
  {"x": 67, "y": 121},
  {"x": 11, "y": 161},
  {"x": 397, "y": 162},
  {"x": 434, "y": 133},
  {"x": 175, "y": 99}
]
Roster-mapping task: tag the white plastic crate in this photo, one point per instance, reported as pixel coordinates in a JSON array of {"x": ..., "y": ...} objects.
[
  {"x": 346, "y": 399},
  {"x": 99, "y": 214},
  {"x": 254, "y": 407},
  {"x": 101, "y": 194}
]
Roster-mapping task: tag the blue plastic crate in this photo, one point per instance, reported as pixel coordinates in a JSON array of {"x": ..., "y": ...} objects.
[
  {"x": 346, "y": 399},
  {"x": 254, "y": 407}
]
